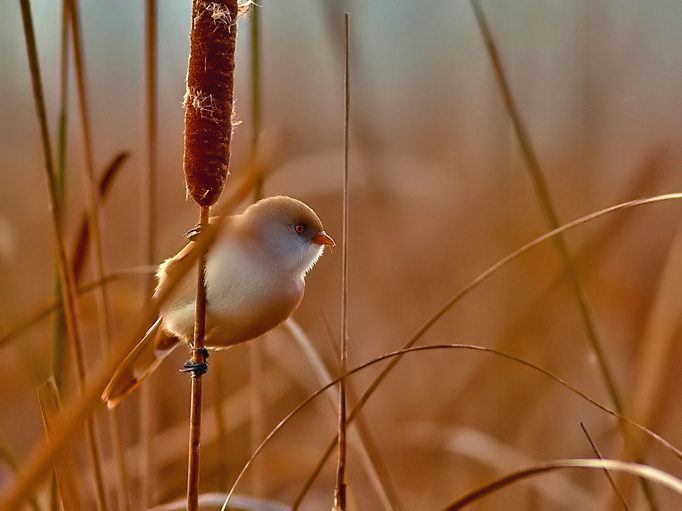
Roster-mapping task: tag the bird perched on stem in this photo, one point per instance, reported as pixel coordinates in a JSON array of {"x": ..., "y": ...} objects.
[{"x": 255, "y": 278}]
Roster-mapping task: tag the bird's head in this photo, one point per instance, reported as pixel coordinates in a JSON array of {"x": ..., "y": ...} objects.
[{"x": 289, "y": 230}]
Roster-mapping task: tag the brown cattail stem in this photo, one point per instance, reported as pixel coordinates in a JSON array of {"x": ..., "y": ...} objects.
[{"x": 197, "y": 358}]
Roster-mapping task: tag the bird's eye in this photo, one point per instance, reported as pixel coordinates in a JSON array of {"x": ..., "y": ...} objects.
[{"x": 299, "y": 228}]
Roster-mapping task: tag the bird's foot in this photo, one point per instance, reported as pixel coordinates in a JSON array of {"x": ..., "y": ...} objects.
[
  {"x": 194, "y": 233},
  {"x": 197, "y": 369}
]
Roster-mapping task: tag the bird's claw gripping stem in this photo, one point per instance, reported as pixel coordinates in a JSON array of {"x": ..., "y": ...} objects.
[
  {"x": 194, "y": 233},
  {"x": 197, "y": 369}
]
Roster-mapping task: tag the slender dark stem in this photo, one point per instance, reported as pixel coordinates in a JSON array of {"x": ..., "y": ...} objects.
[
  {"x": 58, "y": 342},
  {"x": 607, "y": 472},
  {"x": 340, "y": 494},
  {"x": 197, "y": 358}
]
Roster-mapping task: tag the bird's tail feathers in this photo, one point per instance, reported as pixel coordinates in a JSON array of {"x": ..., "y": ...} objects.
[{"x": 139, "y": 364}]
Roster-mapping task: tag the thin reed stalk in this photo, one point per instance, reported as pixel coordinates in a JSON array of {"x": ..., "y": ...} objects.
[
  {"x": 147, "y": 403},
  {"x": 547, "y": 205},
  {"x": 256, "y": 92},
  {"x": 71, "y": 307},
  {"x": 607, "y": 472},
  {"x": 59, "y": 328},
  {"x": 95, "y": 222},
  {"x": 364, "y": 442},
  {"x": 256, "y": 365},
  {"x": 340, "y": 503},
  {"x": 58, "y": 341}
]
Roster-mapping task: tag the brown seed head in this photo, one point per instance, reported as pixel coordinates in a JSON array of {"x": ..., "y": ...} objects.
[{"x": 209, "y": 98}]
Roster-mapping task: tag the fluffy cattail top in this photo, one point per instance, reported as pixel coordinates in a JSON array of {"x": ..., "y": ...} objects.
[{"x": 209, "y": 98}]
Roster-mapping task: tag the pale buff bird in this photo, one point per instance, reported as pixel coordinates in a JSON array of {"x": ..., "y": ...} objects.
[{"x": 255, "y": 277}]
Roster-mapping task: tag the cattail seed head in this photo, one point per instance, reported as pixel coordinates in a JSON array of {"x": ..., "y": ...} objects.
[{"x": 209, "y": 98}]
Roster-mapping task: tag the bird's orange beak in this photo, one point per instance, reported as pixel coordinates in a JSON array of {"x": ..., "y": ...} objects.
[{"x": 322, "y": 238}]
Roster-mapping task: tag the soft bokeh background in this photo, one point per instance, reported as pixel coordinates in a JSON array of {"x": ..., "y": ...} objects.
[{"x": 439, "y": 193}]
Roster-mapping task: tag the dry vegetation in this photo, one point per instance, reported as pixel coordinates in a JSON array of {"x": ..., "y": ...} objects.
[{"x": 443, "y": 186}]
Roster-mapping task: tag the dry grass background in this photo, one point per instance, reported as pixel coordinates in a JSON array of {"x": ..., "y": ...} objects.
[{"x": 439, "y": 193}]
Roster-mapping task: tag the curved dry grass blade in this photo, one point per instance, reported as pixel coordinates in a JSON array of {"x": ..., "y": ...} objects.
[
  {"x": 360, "y": 438},
  {"x": 557, "y": 490},
  {"x": 400, "y": 353},
  {"x": 542, "y": 192},
  {"x": 43, "y": 455},
  {"x": 466, "y": 290},
  {"x": 637, "y": 469},
  {"x": 239, "y": 503}
]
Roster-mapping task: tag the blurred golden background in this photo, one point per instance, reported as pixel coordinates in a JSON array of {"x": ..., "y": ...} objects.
[{"x": 439, "y": 193}]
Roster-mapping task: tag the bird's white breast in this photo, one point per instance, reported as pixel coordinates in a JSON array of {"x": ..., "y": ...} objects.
[{"x": 238, "y": 280}]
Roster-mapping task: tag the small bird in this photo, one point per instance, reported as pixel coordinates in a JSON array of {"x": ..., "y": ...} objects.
[{"x": 255, "y": 278}]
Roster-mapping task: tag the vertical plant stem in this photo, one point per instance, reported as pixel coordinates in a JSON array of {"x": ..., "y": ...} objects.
[
  {"x": 197, "y": 358},
  {"x": 58, "y": 343},
  {"x": 547, "y": 206},
  {"x": 113, "y": 416},
  {"x": 258, "y": 428},
  {"x": 71, "y": 308},
  {"x": 58, "y": 340},
  {"x": 147, "y": 403},
  {"x": 607, "y": 472},
  {"x": 340, "y": 495}
]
